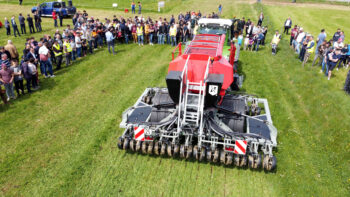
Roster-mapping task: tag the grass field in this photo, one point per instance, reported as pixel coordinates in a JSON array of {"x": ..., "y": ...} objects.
[{"x": 61, "y": 140}]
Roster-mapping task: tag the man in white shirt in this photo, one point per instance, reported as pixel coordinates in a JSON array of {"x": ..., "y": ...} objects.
[
  {"x": 78, "y": 43},
  {"x": 287, "y": 25},
  {"x": 299, "y": 40},
  {"x": 45, "y": 63}
]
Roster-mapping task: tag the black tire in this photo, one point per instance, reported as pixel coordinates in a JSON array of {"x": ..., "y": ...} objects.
[{"x": 120, "y": 143}]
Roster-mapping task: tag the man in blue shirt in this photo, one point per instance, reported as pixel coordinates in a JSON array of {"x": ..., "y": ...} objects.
[
  {"x": 321, "y": 37},
  {"x": 110, "y": 41}
]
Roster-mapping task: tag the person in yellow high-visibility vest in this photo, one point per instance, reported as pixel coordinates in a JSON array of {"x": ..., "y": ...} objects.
[
  {"x": 57, "y": 50},
  {"x": 310, "y": 48},
  {"x": 172, "y": 32},
  {"x": 67, "y": 50},
  {"x": 274, "y": 43},
  {"x": 139, "y": 32}
]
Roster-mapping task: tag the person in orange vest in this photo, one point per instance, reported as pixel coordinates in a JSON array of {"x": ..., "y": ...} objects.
[{"x": 54, "y": 17}]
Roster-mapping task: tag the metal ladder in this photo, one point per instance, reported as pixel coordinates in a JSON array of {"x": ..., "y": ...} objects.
[{"x": 193, "y": 103}]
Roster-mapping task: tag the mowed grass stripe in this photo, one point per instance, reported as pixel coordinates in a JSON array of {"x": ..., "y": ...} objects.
[{"x": 59, "y": 120}]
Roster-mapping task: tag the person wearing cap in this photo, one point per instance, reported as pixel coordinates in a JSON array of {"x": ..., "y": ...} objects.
[
  {"x": 6, "y": 78},
  {"x": 336, "y": 35},
  {"x": 310, "y": 48},
  {"x": 332, "y": 61}
]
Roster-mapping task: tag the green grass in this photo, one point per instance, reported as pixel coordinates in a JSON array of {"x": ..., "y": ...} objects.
[{"x": 61, "y": 140}]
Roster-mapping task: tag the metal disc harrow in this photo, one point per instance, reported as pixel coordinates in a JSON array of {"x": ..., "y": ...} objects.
[{"x": 158, "y": 148}]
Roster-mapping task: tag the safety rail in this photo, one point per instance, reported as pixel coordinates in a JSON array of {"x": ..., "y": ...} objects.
[
  {"x": 206, "y": 74},
  {"x": 180, "y": 99},
  {"x": 179, "y": 46}
]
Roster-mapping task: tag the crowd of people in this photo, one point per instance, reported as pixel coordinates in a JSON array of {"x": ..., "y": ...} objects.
[
  {"x": 329, "y": 54},
  {"x": 82, "y": 38}
]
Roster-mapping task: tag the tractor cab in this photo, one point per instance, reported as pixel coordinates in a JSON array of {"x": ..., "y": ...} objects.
[{"x": 215, "y": 26}]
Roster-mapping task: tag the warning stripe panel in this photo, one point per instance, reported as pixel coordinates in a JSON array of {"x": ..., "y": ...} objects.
[
  {"x": 240, "y": 147},
  {"x": 139, "y": 133}
]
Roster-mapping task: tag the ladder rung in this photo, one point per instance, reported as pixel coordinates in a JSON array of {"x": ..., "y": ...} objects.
[
  {"x": 191, "y": 120},
  {"x": 191, "y": 94},
  {"x": 191, "y": 113},
  {"x": 191, "y": 105}
]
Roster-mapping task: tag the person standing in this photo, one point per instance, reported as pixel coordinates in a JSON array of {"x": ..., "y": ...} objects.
[
  {"x": 133, "y": 7},
  {"x": 110, "y": 40},
  {"x": 30, "y": 24},
  {"x": 78, "y": 44},
  {"x": 22, "y": 23},
  {"x": 310, "y": 48},
  {"x": 261, "y": 18},
  {"x": 60, "y": 15},
  {"x": 14, "y": 26},
  {"x": 220, "y": 9},
  {"x": 320, "y": 39},
  {"x": 287, "y": 25},
  {"x": 2, "y": 94},
  {"x": 54, "y": 17},
  {"x": 45, "y": 63},
  {"x": 139, "y": 32},
  {"x": 275, "y": 41},
  {"x": 7, "y": 26},
  {"x": 11, "y": 48},
  {"x": 333, "y": 59},
  {"x": 57, "y": 50},
  {"x": 6, "y": 77},
  {"x": 20, "y": 2},
  {"x": 67, "y": 49},
  {"x": 18, "y": 79},
  {"x": 293, "y": 34},
  {"x": 27, "y": 75},
  {"x": 37, "y": 20},
  {"x": 172, "y": 32},
  {"x": 140, "y": 6}
]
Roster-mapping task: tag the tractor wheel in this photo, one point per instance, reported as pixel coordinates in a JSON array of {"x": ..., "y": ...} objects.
[
  {"x": 216, "y": 156},
  {"x": 257, "y": 161},
  {"x": 243, "y": 161},
  {"x": 163, "y": 149},
  {"x": 150, "y": 148},
  {"x": 195, "y": 152},
  {"x": 170, "y": 150},
  {"x": 189, "y": 152},
  {"x": 144, "y": 148},
  {"x": 176, "y": 150},
  {"x": 209, "y": 155},
  {"x": 120, "y": 143},
  {"x": 202, "y": 154},
  {"x": 237, "y": 160},
  {"x": 222, "y": 157},
  {"x": 156, "y": 148},
  {"x": 138, "y": 146},
  {"x": 229, "y": 159},
  {"x": 182, "y": 151},
  {"x": 132, "y": 145},
  {"x": 126, "y": 144},
  {"x": 269, "y": 163},
  {"x": 251, "y": 161}
]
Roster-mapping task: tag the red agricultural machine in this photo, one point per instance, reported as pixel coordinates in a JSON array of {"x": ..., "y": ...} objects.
[{"x": 198, "y": 116}]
